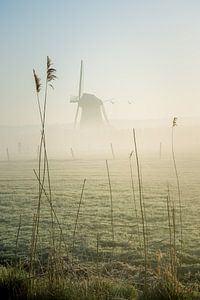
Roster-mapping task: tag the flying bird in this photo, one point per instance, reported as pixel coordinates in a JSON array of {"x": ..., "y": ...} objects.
[{"x": 174, "y": 121}]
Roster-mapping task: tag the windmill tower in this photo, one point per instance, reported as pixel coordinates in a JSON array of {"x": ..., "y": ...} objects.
[{"x": 92, "y": 109}]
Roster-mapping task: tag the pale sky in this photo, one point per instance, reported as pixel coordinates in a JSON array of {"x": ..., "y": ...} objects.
[{"x": 145, "y": 51}]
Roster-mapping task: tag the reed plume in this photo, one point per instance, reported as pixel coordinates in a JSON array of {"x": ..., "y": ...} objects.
[
  {"x": 51, "y": 72},
  {"x": 37, "y": 82}
]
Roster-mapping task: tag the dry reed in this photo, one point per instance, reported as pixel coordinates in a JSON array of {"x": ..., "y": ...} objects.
[
  {"x": 50, "y": 76},
  {"x": 141, "y": 206},
  {"x": 17, "y": 237},
  {"x": 134, "y": 198},
  {"x": 174, "y": 123},
  {"x": 112, "y": 151},
  {"x": 77, "y": 215},
  {"x": 111, "y": 204},
  {"x": 170, "y": 230}
]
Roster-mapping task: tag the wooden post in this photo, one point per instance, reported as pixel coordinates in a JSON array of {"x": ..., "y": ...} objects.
[
  {"x": 7, "y": 153},
  {"x": 19, "y": 148},
  {"x": 72, "y": 153},
  {"x": 160, "y": 150}
]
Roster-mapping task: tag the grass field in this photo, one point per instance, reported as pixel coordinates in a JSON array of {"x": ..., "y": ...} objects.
[{"x": 92, "y": 243}]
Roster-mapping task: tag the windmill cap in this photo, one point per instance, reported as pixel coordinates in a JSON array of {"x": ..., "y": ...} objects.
[{"x": 90, "y": 99}]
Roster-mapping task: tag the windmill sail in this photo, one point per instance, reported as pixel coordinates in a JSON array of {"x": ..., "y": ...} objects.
[
  {"x": 79, "y": 92},
  {"x": 104, "y": 114}
]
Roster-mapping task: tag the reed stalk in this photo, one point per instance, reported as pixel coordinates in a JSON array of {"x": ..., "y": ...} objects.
[
  {"x": 52, "y": 208},
  {"x": 111, "y": 204},
  {"x": 112, "y": 151},
  {"x": 17, "y": 237},
  {"x": 170, "y": 231},
  {"x": 32, "y": 246},
  {"x": 141, "y": 206},
  {"x": 35, "y": 231},
  {"x": 174, "y": 123},
  {"x": 77, "y": 215},
  {"x": 174, "y": 244},
  {"x": 97, "y": 254},
  {"x": 145, "y": 215},
  {"x": 50, "y": 76},
  {"x": 134, "y": 198}
]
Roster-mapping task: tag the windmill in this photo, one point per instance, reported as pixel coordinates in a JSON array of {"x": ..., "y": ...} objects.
[{"x": 92, "y": 108}]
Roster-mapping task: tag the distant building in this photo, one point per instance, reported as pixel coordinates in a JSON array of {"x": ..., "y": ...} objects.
[
  {"x": 92, "y": 111},
  {"x": 92, "y": 108}
]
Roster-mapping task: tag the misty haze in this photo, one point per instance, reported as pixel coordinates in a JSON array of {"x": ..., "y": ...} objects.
[{"x": 100, "y": 150}]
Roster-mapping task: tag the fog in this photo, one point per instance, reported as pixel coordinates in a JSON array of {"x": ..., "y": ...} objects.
[
  {"x": 146, "y": 52},
  {"x": 22, "y": 141}
]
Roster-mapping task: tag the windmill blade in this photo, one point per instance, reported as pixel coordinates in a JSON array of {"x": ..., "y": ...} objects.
[
  {"x": 79, "y": 92},
  {"x": 111, "y": 100},
  {"x": 104, "y": 114},
  {"x": 80, "y": 81}
]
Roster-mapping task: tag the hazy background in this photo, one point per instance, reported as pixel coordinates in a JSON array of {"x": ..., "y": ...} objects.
[
  {"x": 144, "y": 51},
  {"x": 144, "y": 54}
]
